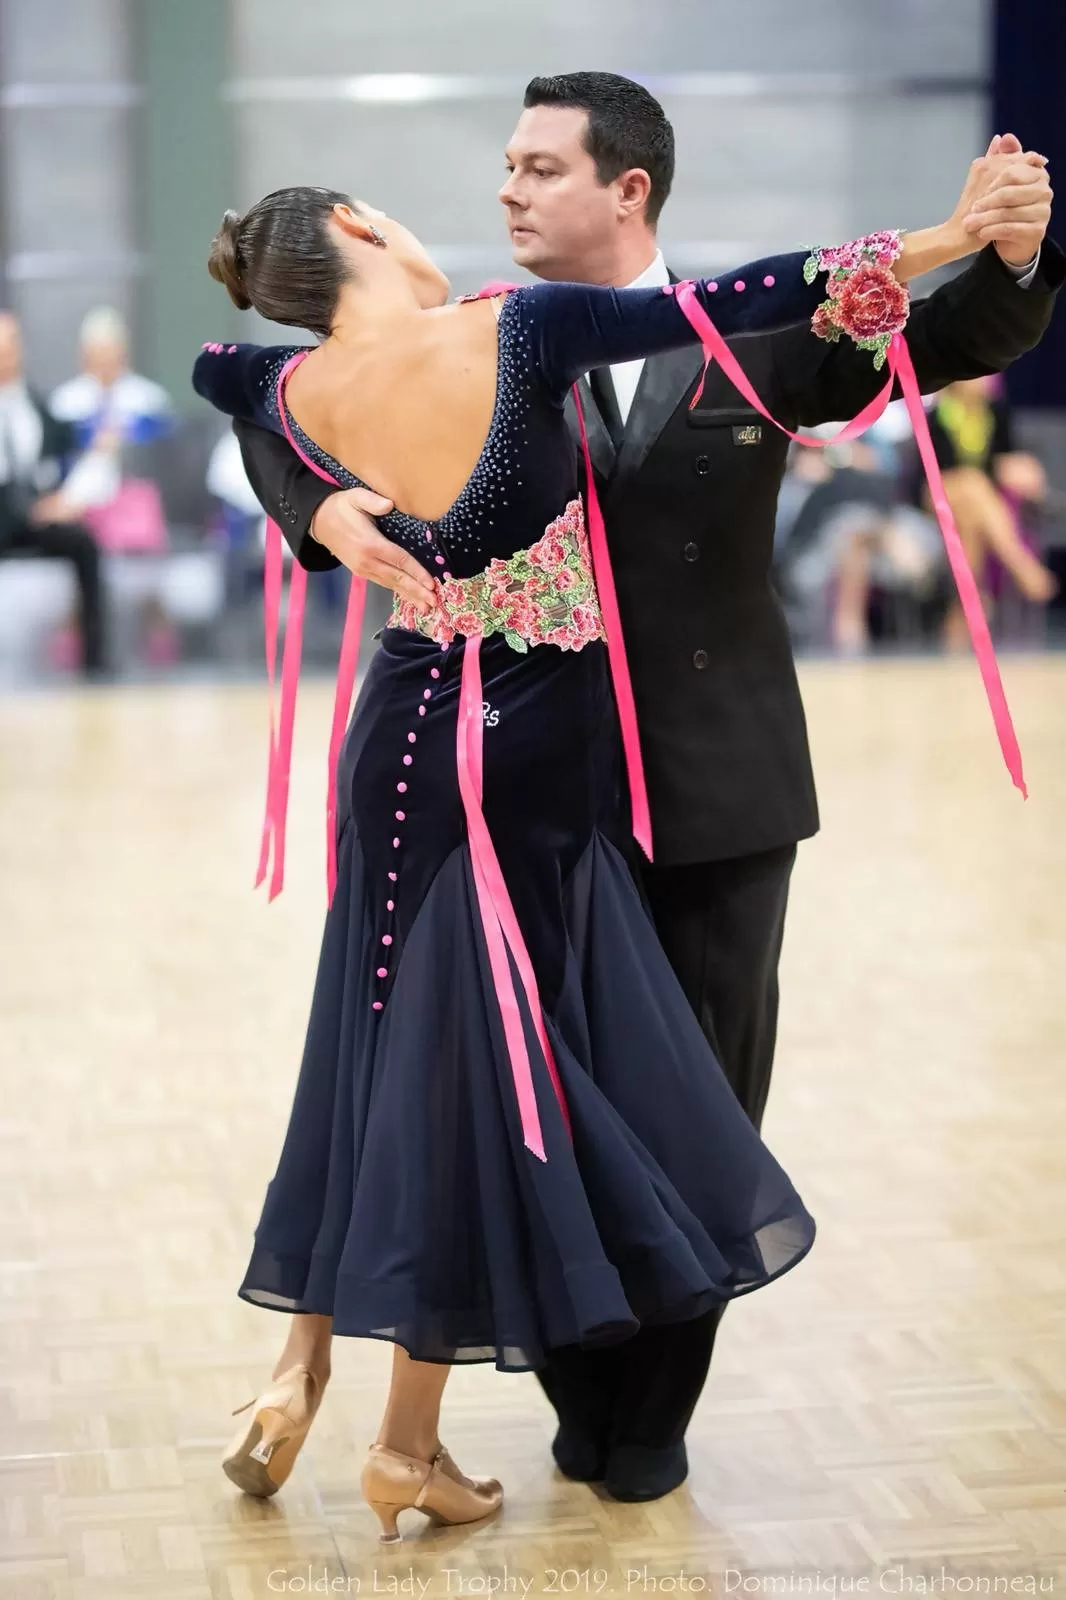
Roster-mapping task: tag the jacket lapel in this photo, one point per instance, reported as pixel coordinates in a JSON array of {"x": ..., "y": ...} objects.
[
  {"x": 664, "y": 382},
  {"x": 601, "y": 446}
]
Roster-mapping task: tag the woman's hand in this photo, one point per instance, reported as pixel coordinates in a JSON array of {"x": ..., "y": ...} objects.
[
  {"x": 345, "y": 525},
  {"x": 1014, "y": 208}
]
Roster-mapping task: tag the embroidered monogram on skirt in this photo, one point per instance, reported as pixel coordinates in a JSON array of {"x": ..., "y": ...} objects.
[{"x": 543, "y": 595}]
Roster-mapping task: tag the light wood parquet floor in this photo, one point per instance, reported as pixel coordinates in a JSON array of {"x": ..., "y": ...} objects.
[{"x": 890, "y": 1418}]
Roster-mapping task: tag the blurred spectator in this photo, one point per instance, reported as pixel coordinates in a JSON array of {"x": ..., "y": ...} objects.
[
  {"x": 989, "y": 483},
  {"x": 39, "y": 506},
  {"x": 112, "y": 409},
  {"x": 106, "y": 395},
  {"x": 228, "y": 482},
  {"x": 842, "y": 531}
]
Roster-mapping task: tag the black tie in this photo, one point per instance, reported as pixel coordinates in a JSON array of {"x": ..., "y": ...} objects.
[{"x": 603, "y": 392}]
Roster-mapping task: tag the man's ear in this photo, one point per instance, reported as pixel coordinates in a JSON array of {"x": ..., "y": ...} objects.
[{"x": 634, "y": 191}]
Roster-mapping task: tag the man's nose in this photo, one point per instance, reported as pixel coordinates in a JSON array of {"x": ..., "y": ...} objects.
[{"x": 510, "y": 194}]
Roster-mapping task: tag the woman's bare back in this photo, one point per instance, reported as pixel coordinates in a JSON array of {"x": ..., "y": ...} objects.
[{"x": 408, "y": 415}]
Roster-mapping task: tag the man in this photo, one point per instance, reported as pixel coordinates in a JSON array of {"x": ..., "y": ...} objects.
[
  {"x": 689, "y": 502},
  {"x": 37, "y": 516},
  {"x": 106, "y": 393}
]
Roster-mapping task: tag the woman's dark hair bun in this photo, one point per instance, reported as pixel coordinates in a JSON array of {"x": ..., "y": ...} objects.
[
  {"x": 223, "y": 262},
  {"x": 281, "y": 258}
]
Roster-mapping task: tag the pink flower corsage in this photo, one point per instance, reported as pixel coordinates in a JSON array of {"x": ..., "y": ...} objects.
[{"x": 865, "y": 299}]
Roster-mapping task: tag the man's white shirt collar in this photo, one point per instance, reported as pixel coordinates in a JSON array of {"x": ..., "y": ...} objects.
[{"x": 654, "y": 276}]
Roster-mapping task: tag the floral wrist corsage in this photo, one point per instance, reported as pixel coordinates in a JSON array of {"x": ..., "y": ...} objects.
[{"x": 866, "y": 300}]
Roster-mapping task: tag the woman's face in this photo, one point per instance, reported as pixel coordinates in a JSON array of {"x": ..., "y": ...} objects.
[{"x": 430, "y": 285}]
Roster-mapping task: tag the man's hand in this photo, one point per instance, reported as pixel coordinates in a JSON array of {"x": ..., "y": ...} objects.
[
  {"x": 1009, "y": 199},
  {"x": 345, "y": 525}
]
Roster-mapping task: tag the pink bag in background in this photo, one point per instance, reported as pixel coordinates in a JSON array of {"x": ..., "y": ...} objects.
[{"x": 133, "y": 520}]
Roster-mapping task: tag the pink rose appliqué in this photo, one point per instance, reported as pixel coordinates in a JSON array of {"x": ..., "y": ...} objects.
[{"x": 872, "y": 302}]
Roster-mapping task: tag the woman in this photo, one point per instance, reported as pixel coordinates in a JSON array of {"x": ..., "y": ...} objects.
[
  {"x": 509, "y": 1132},
  {"x": 971, "y": 432}
]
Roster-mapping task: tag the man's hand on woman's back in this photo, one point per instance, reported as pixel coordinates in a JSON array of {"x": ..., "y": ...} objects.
[{"x": 345, "y": 524}]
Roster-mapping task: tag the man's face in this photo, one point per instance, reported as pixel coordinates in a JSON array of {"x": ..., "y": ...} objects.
[
  {"x": 10, "y": 349},
  {"x": 559, "y": 214},
  {"x": 104, "y": 359}
]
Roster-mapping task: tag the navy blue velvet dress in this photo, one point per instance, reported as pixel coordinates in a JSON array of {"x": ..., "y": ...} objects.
[{"x": 405, "y": 1203}]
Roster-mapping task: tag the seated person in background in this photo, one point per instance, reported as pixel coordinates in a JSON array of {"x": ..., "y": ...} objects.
[
  {"x": 111, "y": 408},
  {"x": 228, "y": 482},
  {"x": 842, "y": 529},
  {"x": 39, "y": 508},
  {"x": 975, "y": 447},
  {"x": 106, "y": 397}
]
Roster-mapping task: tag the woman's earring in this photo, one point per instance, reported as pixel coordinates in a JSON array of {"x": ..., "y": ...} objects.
[{"x": 378, "y": 238}]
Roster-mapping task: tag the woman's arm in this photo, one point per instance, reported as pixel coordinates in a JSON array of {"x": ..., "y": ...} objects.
[
  {"x": 241, "y": 379},
  {"x": 854, "y": 290}
]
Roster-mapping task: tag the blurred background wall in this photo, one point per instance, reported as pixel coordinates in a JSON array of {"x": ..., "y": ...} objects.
[{"x": 130, "y": 124}]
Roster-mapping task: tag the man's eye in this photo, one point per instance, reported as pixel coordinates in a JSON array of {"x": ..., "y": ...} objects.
[{"x": 544, "y": 172}]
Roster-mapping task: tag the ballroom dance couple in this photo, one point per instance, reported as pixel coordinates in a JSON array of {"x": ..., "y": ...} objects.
[{"x": 526, "y": 1122}]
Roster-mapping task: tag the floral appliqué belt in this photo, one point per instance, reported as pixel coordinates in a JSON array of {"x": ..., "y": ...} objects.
[{"x": 543, "y": 595}]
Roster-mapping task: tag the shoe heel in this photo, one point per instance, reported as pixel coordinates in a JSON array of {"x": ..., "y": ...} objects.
[
  {"x": 262, "y": 1458},
  {"x": 387, "y": 1514}
]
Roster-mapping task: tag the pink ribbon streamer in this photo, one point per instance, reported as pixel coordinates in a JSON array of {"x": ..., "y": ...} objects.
[
  {"x": 280, "y": 762},
  {"x": 716, "y": 349},
  {"x": 616, "y": 650},
  {"x": 498, "y": 918},
  {"x": 900, "y": 362},
  {"x": 271, "y": 617},
  {"x": 900, "y": 366}
]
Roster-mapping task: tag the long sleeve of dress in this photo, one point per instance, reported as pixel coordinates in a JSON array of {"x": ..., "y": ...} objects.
[
  {"x": 845, "y": 291},
  {"x": 241, "y": 379}
]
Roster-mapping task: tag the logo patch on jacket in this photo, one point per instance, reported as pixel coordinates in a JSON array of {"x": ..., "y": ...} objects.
[{"x": 749, "y": 433}]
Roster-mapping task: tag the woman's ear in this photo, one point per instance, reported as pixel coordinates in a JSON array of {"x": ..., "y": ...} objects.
[{"x": 355, "y": 225}]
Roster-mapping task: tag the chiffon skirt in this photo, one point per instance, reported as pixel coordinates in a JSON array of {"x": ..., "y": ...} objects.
[{"x": 405, "y": 1203}]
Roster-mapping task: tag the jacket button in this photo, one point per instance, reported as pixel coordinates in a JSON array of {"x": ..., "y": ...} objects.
[
  {"x": 700, "y": 660},
  {"x": 691, "y": 552},
  {"x": 703, "y": 466}
]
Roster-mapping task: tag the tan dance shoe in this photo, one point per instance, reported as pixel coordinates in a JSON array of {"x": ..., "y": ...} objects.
[
  {"x": 392, "y": 1482},
  {"x": 261, "y": 1456}
]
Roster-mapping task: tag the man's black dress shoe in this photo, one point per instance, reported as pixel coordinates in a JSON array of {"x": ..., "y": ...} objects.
[{"x": 636, "y": 1472}]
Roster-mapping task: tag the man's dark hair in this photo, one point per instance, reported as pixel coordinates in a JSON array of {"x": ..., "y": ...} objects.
[{"x": 627, "y": 127}]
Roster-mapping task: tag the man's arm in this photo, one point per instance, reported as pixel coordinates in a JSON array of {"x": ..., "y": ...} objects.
[
  {"x": 293, "y": 495},
  {"x": 287, "y": 490},
  {"x": 977, "y": 324}
]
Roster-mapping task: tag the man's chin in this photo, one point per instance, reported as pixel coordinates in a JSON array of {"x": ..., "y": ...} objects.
[{"x": 527, "y": 250}]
